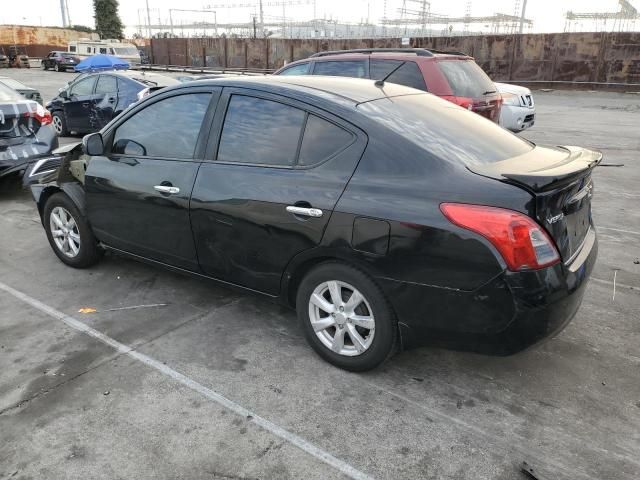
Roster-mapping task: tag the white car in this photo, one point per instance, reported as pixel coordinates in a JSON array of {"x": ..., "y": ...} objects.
[{"x": 518, "y": 110}]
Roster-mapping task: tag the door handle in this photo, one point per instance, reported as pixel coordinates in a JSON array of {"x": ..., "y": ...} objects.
[
  {"x": 305, "y": 212},
  {"x": 85, "y": 104},
  {"x": 112, "y": 100},
  {"x": 166, "y": 189}
]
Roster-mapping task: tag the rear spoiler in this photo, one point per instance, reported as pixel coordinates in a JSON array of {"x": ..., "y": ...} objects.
[{"x": 543, "y": 169}]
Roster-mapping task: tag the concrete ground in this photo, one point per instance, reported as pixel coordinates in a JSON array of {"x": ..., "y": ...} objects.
[{"x": 214, "y": 384}]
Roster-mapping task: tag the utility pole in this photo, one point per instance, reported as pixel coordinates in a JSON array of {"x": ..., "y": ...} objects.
[
  {"x": 264, "y": 33},
  {"x": 63, "y": 10},
  {"x": 522, "y": 17},
  {"x": 148, "y": 20},
  {"x": 254, "y": 27}
]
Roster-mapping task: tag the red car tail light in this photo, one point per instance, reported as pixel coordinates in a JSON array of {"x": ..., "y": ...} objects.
[
  {"x": 41, "y": 114},
  {"x": 523, "y": 244},
  {"x": 464, "y": 102}
]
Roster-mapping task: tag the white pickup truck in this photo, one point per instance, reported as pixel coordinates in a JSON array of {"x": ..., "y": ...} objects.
[{"x": 518, "y": 110}]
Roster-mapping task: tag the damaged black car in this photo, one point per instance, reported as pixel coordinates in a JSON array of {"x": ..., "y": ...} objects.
[{"x": 26, "y": 134}]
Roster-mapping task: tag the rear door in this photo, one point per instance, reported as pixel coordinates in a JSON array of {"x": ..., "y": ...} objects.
[
  {"x": 77, "y": 107},
  {"x": 138, "y": 193},
  {"x": 105, "y": 100},
  {"x": 275, "y": 172}
]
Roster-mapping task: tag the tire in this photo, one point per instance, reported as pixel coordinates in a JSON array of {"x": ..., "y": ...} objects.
[
  {"x": 59, "y": 123},
  {"x": 56, "y": 67},
  {"x": 375, "y": 345},
  {"x": 43, "y": 65},
  {"x": 86, "y": 252}
]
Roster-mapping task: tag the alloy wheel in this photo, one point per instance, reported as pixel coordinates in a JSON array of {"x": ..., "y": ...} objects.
[
  {"x": 57, "y": 124},
  {"x": 341, "y": 318},
  {"x": 64, "y": 231}
]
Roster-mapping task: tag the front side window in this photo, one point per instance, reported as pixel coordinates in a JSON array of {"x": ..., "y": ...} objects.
[
  {"x": 321, "y": 140},
  {"x": 83, "y": 87},
  {"x": 107, "y": 84},
  {"x": 407, "y": 73},
  {"x": 302, "y": 69},
  {"x": 341, "y": 69},
  {"x": 260, "y": 131},
  {"x": 167, "y": 128}
]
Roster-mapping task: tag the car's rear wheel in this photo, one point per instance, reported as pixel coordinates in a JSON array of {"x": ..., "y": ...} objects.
[
  {"x": 345, "y": 317},
  {"x": 59, "y": 124},
  {"x": 69, "y": 233}
]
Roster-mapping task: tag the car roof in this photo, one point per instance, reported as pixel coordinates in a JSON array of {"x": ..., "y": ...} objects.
[
  {"x": 345, "y": 89},
  {"x": 382, "y": 55}
]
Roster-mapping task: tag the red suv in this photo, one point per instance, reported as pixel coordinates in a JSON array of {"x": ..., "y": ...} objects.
[{"x": 453, "y": 76}]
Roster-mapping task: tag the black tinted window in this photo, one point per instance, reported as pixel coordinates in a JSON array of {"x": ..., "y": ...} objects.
[
  {"x": 168, "y": 128},
  {"x": 466, "y": 78},
  {"x": 408, "y": 74},
  {"x": 260, "y": 131},
  {"x": 321, "y": 140},
  {"x": 107, "y": 84},
  {"x": 301, "y": 69},
  {"x": 341, "y": 69},
  {"x": 84, "y": 86},
  {"x": 128, "y": 87}
]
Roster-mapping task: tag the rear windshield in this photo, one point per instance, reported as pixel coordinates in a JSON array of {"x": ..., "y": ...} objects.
[
  {"x": 466, "y": 78},
  {"x": 447, "y": 131}
]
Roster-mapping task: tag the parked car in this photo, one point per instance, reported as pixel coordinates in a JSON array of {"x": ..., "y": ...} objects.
[
  {"x": 22, "y": 89},
  {"x": 453, "y": 76},
  {"x": 18, "y": 57},
  {"x": 518, "y": 110},
  {"x": 4, "y": 60},
  {"x": 26, "y": 135},
  {"x": 59, "y": 61},
  {"x": 90, "y": 102},
  {"x": 383, "y": 215}
]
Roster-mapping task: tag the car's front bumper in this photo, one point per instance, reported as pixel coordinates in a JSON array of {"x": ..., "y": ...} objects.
[
  {"x": 517, "y": 118},
  {"x": 510, "y": 313}
]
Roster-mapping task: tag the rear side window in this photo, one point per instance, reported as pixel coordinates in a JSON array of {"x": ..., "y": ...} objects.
[
  {"x": 301, "y": 69},
  {"x": 107, "y": 84},
  {"x": 408, "y": 74},
  {"x": 466, "y": 78},
  {"x": 260, "y": 131},
  {"x": 84, "y": 86},
  {"x": 167, "y": 128},
  {"x": 341, "y": 69},
  {"x": 321, "y": 140}
]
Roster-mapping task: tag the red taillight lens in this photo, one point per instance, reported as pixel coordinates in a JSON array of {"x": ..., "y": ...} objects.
[
  {"x": 523, "y": 244},
  {"x": 464, "y": 102},
  {"x": 41, "y": 114}
]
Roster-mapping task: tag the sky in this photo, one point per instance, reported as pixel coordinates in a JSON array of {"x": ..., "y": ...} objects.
[{"x": 547, "y": 15}]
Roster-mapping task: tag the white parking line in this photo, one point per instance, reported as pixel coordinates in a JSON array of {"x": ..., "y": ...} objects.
[
  {"x": 618, "y": 230},
  {"x": 271, "y": 427}
]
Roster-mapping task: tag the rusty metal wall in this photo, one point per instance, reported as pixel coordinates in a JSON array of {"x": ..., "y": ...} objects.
[
  {"x": 39, "y": 41},
  {"x": 586, "y": 57}
]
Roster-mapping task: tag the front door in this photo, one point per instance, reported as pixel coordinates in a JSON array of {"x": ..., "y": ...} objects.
[
  {"x": 77, "y": 105},
  {"x": 138, "y": 193},
  {"x": 268, "y": 195}
]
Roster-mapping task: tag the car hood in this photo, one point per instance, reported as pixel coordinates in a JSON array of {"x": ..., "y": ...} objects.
[{"x": 515, "y": 89}]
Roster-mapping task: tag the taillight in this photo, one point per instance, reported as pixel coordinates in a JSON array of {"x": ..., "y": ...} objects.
[
  {"x": 41, "y": 114},
  {"x": 143, "y": 93},
  {"x": 464, "y": 102},
  {"x": 523, "y": 244}
]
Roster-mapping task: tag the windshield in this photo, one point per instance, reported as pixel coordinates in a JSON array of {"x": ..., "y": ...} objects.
[
  {"x": 450, "y": 132},
  {"x": 8, "y": 95},
  {"x": 466, "y": 78},
  {"x": 126, "y": 51}
]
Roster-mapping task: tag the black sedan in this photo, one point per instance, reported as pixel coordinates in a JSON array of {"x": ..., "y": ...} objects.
[
  {"x": 26, "y": 135},
  {"x": 386, "y": 216},
  {"x": 90, "y": 101},
  {"x": 59, "y": 61}
]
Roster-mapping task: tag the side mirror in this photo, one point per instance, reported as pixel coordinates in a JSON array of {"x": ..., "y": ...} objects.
[
  {"x": 93, "y": 145},
  {"x": 64, "y": 94},
  {"x": 131, "y": 148}
]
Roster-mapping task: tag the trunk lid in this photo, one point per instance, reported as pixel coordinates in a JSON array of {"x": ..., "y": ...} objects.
[
  {"x": 560, "y": 180},
  {"x": 16, "y": 123}
]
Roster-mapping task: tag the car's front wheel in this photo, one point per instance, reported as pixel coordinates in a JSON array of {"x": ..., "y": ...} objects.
[
  {"x": 43, "y": 65},
  {"x": 57, "y": 68},
  {"x": 345, "y": 317},
  {"x": 59, "y": 123},
  {"x": 69, "y": 232}
]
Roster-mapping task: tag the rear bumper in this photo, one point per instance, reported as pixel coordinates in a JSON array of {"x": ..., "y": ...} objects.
[
  {"x": 510, "y": 313},
  {"x": 17, "y": 158}
]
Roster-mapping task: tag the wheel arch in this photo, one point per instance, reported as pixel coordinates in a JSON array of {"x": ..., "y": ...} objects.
[{"x": 73, "y": 190}]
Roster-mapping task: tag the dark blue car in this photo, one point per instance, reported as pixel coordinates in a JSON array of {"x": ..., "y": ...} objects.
[{"x": 90, "y": 101}]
